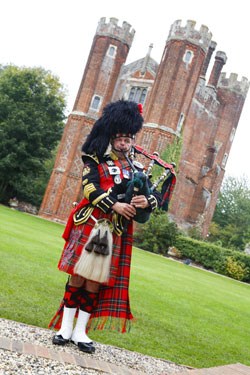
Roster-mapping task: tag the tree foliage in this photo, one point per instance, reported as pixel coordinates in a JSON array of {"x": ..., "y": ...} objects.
[
  {"x": 231, "y": 221},
  {"x": 32, "y": 103},
  {"x": 171, "y": 154}
]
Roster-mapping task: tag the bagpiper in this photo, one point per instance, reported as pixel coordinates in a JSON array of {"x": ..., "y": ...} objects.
[{"x": 99, "y": 231}]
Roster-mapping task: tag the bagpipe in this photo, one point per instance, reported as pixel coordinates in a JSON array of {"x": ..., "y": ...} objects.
[
  {"x": 94, "y": 262},
  {"x": 140, "y": 183}
]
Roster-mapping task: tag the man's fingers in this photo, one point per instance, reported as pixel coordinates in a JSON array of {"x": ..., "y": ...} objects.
[
  {"x": 125, "y": 209},
  {"x": 139, "y": 201},
  {"x": 130, "y": 210}
]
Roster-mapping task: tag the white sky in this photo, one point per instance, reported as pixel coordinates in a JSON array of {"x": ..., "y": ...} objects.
[{"x": 57, "y": 35}]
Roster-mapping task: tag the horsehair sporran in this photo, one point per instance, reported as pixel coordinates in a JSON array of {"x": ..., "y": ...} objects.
[{"x": 93, "y": 265}]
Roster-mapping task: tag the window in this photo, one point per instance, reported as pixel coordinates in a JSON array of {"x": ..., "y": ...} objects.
[
  {"x": 95, "y": 104},
  {"x": 143, "y": 96},
  {"x": 232, "y": 134},
  {"x": 180, "y": 122},
  {"x": 137, "y": 94},
  {"x": 224, "y": 160},
  {"x": 111, "y": 51},
  {"x": 188, "y": 56},
  {"x": 131, "y": 94}
]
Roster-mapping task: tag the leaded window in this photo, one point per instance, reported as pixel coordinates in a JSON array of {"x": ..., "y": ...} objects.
[{"x": 138, "y": 94}]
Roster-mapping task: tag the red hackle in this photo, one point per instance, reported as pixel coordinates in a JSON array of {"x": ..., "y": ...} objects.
[{"x": 140, "y": 108}]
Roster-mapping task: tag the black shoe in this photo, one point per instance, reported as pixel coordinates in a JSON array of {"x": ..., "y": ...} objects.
[
  {"x": 59, "y": 340},
  {"x": 85, "y": 347}
]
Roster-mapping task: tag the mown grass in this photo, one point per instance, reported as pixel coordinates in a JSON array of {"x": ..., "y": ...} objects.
[{"x": 183, "y": 314}]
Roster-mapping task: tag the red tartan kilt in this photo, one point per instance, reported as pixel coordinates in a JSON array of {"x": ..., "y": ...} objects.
[
  {"x": 113, "y": 308},
  {"x": 78, "y": 237}
]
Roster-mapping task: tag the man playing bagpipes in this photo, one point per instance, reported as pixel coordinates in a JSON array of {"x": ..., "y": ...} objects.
[{"x": 99, "y": 231}]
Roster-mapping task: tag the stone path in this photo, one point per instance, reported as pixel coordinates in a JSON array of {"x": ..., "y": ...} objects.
[
  {"x": 42, "y": 358},
  {"x": 87, "y": 363}
]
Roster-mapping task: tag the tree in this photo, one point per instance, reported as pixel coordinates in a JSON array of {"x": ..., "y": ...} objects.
[
  {"x": 32, "y": 103},
  {"x": 232, "y": 214}
]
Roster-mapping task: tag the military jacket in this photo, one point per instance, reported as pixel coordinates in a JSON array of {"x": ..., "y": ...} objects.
[{"x": 104, "y": 183}]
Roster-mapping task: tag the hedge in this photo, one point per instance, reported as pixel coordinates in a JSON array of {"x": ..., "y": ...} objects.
[{"x": 224, "y": 261}]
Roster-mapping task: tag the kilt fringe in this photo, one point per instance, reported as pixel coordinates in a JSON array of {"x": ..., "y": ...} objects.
[
  {"x": 96, "y": 323},
  {"x": 57, "y": 320},
  {"x": 111, "y": 323}
]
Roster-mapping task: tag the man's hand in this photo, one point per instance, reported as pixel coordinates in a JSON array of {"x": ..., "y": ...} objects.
[
  {"x": 139, "y": 201},
  {"x": 124, "y": 209}
]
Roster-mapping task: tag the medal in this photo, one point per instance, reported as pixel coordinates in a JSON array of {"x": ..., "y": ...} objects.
[
  {"x": 126, "y": 174},
  {"x": 117, "y": 179}
]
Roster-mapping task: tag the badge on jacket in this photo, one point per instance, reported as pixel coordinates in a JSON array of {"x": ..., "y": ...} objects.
[
  {"x": 85, "y": 171},
  {"x": 114, "y": 170},
  {"x": 126, "y": 174}
]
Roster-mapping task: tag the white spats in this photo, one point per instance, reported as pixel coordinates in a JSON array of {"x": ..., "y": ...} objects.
[
  {"x": 67, "y": 323},
  {"x": 79, "y": 333}
]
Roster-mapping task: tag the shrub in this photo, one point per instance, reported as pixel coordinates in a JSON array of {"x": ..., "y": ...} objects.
[
  {"x": 195, "y": 233},
  {"x": 236, "y": 269},
  {"x": 215, "y": 258},
  {"x": 157, "y": 234}
]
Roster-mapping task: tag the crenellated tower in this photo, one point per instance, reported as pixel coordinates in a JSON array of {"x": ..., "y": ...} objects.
[
  {"x": 231, "y": 94},
  {"x": 207, "y": 137},
  {"x": 177, "y": 77},
  {"x": 108, "y": 53}
]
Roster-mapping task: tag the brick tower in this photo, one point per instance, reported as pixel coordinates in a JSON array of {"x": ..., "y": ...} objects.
[
  {"x": 197, "y": 157},
  {"x": 108, "y": 53},
  {"x": 209, "y": 130},
  {"x": 178, "y": 73}
]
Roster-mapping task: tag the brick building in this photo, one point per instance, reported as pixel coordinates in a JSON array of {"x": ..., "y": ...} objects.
[{"x": 176, "y": 98}]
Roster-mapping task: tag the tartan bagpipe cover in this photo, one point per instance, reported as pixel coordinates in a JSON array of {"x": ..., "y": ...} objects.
[{"x": 167, "y": 190}]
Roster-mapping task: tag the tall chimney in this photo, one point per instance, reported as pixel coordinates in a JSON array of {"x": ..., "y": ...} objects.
[{"x": 220, "y": 60}]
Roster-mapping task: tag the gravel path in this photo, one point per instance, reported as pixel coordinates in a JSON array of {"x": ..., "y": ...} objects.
[{"x": 14, "y": 363}]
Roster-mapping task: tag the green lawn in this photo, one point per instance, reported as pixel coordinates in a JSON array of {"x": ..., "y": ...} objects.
[{"x": 184, "y": 314}]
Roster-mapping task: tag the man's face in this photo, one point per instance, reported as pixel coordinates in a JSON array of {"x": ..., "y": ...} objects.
[{"x": 121, "y": 144}]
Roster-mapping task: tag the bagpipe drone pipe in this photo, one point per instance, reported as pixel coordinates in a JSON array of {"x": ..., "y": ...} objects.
[{"x": 141, "y": 185}]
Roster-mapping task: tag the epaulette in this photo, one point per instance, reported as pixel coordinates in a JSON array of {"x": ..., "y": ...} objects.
[{"x": 92, "y": 156}]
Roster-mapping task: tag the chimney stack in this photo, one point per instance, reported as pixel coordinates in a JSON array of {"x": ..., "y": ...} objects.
[{"x": 220, "y": 60}]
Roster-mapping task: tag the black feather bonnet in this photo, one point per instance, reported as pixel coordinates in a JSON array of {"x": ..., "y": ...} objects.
[{"x": 119, "y": 117}]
